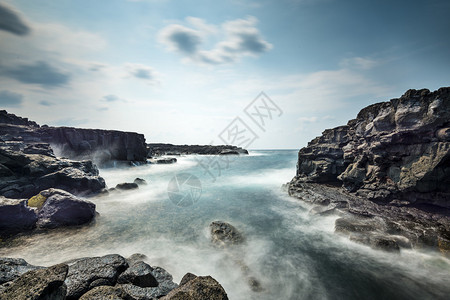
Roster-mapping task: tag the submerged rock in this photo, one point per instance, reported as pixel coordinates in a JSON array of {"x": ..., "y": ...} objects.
[
  {"x": 199, "y": 288},
  {"x": 225, "y": 234},
  {"x": 140, "y": 181},
  {"x": 38, "y": 284},
  {"x": 127, "y": 186}
]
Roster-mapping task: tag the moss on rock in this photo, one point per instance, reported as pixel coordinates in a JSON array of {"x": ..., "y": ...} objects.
[{"x": 37, "y": 201}]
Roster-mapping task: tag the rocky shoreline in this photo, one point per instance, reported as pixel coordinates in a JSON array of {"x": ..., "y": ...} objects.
[
  {"x": 158, "y": 149},
  {"x": 107, "y": 277},
  {"x": 387, "y": 173}
]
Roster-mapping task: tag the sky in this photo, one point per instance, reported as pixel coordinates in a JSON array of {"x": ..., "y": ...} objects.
[{"x": 258, "y": 74}]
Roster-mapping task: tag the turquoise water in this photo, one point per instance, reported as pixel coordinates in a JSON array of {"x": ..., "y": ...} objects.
[{"x": 293, "y": 254}]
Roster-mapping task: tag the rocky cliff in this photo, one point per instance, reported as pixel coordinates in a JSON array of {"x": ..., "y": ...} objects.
[
  {"x": 75, "y": 143},
  {"x": 390, "y": 165},
  {"x": 156, "y": 149},
  {"x": 396, "y": 150}
]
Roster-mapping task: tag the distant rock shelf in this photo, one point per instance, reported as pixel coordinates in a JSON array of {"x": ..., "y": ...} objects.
[
  {"x": 388, "y": 170},
  {"x": 157, "y": 149}
]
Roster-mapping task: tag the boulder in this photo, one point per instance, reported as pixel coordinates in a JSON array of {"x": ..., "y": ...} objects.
[
  {"x": 15, "y": 216},
  {"x": 45, "y": 283},
  {"x": 186, "y": 278},
  {"x": 61, "y": 208},
  {"x": 106, "y": 292},
  {"x": 127, "y": 186},
  {"x": 225, "y": 234},
  {"x": 86, "y": 273},
  {"x": 12, "y": 268},
  {"x": 199, "y": 288},
  {"x": 139, "y": 274},
  {"x": 140, "y": 181}
]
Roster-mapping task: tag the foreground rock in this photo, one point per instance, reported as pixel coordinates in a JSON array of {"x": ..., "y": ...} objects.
[
  {"x": 393, "y": 164},
  {"x": 50, "y": 208},
  {"x": 25, "y": 174},
  {"x": 203, "y": 287},
  {"x": 106, "y": 277},
  {"x": 155, "y": 149},
  {"x": 38, "y": 284},
  {"x": 98, "y": 145}
]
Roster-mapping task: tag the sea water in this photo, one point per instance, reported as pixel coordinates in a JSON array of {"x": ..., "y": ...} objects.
[{"x": 292, "y": 254}]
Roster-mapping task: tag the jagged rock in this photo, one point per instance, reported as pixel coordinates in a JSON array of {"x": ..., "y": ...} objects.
[
  {"x": 199, "y": 288},
  {"x": 87, "y": 273},
  {"x": 38, "y": 284},
  {"x": 15, "y": 216},
  {"x": 12, "y": 268},
  {"x": 138, "y": 274},
  {"x": 225, "y": 234},
  {"x": 140, "y": 181},
  {"x": 136, "y": 257},
  {"x": 61, "y": 208},
  {"x": 393, "y": 162},
  {"x": 28, "y": 174},
  {"x": 106, "y": 292},
  {"x": 127, "y": 186},
  {"x": 155, "y": 149},
  {"x": 186, "y": 278}
]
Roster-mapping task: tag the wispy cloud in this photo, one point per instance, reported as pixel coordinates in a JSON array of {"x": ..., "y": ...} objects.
[
  {"x": 46, "y": 103},
  {"x": 11, "y": 21},
  {"x": 241, "y": 38},
  {"x": 40, "y": 73}
]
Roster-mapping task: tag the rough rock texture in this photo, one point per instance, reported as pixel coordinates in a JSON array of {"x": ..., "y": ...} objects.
[
  {"x": 80, "y": 144},
  {"x": 169, "y": 149},
  {"x": 393, "y": 150},
  {"x": 64, "y": 209},
  {"x": 15, "y": 216},
  {"x": 106, "y": 292},
  {"x": 87, "y": 273},
  {"x": 199, "y": 288},
  {"x": 25, "y": 173},
  {"x": 139, "y": 274},
  {"x": 12, "y": 268},
  {"x": 38, "y": 284},
  {"x": 393, "y": 164},
  {"x": 225, "y": 234}
]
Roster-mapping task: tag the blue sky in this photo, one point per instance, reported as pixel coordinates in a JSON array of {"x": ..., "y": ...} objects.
[{"x": 182, "y": 71}]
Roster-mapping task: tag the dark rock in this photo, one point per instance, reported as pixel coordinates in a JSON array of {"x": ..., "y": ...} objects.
[
  {"x": 165, "y": 280},
  {"x": 84, "y": 274},
  {"x": 127, "y": 186},
  {"x": 106, "y": 292},
  {"x": 38, "y": 284},
  {"x": 156, "y": 149},
  {"x": 64, "y": 209},
  {"x": 140, "y": 181},
  {"x": 164, "y": 160},
  {"x": 186, "y": 278},
  {"x": 136, "y": 257},
  {"x": 229, "y": 152},
  {"x": 200, "y": 288},
  {"x": 12, "y": 268},
  {"x": 28, "y": 174},
  {"x": 393, "y": 164},
  {"x": 139, "y": 274},
  {"x": 225, "y": 234},
  {"x": 15, "y": 216}
]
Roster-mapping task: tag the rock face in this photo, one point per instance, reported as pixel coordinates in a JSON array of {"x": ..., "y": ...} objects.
[
  {"x": 98, "y": 145},
  {"x": 38, "y": 284},
  {"x": 12, "y": 268},
  {"x": 393, "y": 166},
  {"x": 198, "y": 288},
  {"x": 393, "y": 150},
  {"x": 15, "y": 216},
  {"x": 155, "y": 149},
  {"x": 25, "y": 174}
]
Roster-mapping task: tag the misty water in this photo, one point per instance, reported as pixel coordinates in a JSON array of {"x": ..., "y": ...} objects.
[{"x": 293, "y": 254}]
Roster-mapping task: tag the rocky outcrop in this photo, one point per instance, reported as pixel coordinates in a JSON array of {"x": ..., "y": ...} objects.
[
  {"x": 27, "y": 169},
  {"x": 50, "y": 208},
  {"x": 107, "y": 277},
  {"x": 393, "y": 150},
  {"x": 98, "y": 145},
  {"x": 393, "y": 166},
  {"x": 155, "y": 149},
  {"x": 225, "y": 234}
]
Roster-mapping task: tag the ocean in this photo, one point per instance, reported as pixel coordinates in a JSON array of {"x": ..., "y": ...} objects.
[{"x": 291, "y": 253}]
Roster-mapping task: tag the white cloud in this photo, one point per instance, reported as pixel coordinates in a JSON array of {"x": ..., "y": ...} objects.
[
  {"x": 240, "y": 38},
  {"x": 358, "y": 63}
]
